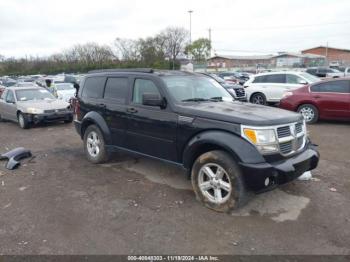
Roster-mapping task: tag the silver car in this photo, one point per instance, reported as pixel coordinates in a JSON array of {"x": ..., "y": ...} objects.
[{"x": 31, "y": 105}]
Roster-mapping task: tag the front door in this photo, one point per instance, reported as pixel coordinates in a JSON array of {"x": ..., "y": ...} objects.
[
  {"x": 9, "y": 106},
  {"x": 332, "y": 98},
  {"x": 150, "y": 129}
]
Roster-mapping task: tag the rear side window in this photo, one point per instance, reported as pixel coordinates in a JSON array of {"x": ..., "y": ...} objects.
[
  {"x": 93, "y": 87},
  {"x": 116, "y": 89},
  {"x": 143, "y": 86},
  {"x": 342, "y": 86},
  {"x": 10, "y": 97},
  {"x": 293, "y": 79},
  {"x": 278, "y": 78}
]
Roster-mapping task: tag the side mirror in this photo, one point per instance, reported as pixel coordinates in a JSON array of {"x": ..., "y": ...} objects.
[
  {"x": 303, "y": 82},
  {"x": 149, "y": 99}
]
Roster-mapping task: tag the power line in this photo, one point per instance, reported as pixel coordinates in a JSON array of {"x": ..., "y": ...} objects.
[{"x": 278, "y": 27}]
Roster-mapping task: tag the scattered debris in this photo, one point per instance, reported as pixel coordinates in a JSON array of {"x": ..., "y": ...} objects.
[
  {"x": 23, "y": 188},
  {"x": 14, "y": 156},
  {"x": 315, "y": 179},
  {"x": 306, "y": 176},
  {"x": 44, "y": 240},
  {"x": 235, "y": 243},
  {"x": 332, "y": 189},
  {"x": 2, "y": 183},
  {"x": 6, "y": 206}
]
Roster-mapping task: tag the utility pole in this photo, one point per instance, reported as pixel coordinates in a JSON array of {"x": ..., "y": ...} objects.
[
  {"x": 210, "y": 41},
  {"x": 327, "y": 54},
  {"x": 190, "y": 12}
]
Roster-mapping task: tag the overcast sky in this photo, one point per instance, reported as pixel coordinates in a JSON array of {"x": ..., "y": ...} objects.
[{"x": 42, "y": 27}]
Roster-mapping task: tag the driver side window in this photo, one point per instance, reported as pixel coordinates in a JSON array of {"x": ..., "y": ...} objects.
[{"x": 143, "y": 86}]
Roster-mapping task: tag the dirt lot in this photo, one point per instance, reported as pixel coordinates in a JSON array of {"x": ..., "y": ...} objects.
[{"x": 58, "y": 203}]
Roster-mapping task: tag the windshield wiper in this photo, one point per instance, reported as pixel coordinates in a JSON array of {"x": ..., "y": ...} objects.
[
  {"x": 196, "y": 99},
  {"x": 216, "y": 98}
]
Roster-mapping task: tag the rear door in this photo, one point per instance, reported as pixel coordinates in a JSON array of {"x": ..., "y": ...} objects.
[
  {"x": 115, "y": 98},
  {"x": 275, "y": 86},
  {"x": 150, "y": 129},
  {"x": 332, "y": 98}
]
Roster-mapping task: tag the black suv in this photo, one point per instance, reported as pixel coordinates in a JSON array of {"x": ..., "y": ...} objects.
[{"x": 229, "y": 148}]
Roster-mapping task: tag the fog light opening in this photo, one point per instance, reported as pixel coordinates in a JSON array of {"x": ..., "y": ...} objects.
[{"x": 267, "y": 181}]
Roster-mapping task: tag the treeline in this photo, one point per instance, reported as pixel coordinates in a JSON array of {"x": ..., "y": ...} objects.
[{"x": 160, "y": 51}]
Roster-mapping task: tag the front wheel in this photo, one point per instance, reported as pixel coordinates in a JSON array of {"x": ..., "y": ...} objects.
[
  {"x": 23, "y": 121},
  {"x": 309, "y": 112},
  {"x": 94, "y": 145},
  {"x": 258, "y": 98},
  {"x": 217, "y": 181}
]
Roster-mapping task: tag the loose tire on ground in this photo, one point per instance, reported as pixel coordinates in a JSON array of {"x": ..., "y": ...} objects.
[
  {"x": 231, "y": 199},
  {"x": 94, "y": 145},
  {"x": 310, "y": 113}
]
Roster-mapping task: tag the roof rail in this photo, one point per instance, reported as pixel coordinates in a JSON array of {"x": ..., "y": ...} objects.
[{"x": 138, "y": 70}]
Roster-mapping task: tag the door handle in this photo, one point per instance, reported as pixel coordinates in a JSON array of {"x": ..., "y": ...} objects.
[
  {"x": 103, "y": 106},
  {"x": 132, "y": 110},
  {"x": 317, "y": 97}
]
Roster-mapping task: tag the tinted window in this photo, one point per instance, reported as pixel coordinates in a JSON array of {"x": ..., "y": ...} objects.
[
  {"x": 293, "y": 79},
  {"x": 259, "y": 79},
  {"x": 143, "y": 86},
  {"x": 93, "y": 87},
  {"x": 334, "y": 87},
  {"x": 116, "y": 89},
  {"x": 280, "y": 78},
  {"x": 10, "y": 97}
]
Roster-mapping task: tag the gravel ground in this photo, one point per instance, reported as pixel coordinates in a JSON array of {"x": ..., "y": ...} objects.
[{"x": 59, "y": 203}]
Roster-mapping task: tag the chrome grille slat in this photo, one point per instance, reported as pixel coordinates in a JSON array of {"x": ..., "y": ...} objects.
[{"x": 283, "y": 131}]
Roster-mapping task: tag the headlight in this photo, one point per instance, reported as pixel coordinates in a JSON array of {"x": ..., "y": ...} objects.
[
  {"x": 286, "y": 94},
  {"x": 32, "y": 110},
  {"x": 264, "y": 139}
]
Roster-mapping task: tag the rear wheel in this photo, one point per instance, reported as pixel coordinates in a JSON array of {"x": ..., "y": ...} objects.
[
  {"x": 258, "y": 98},
  {"x": 94, "y": 145},
  {"x": 309, "y": 112},
  {"x": 23, "y": 121},
  {"x": 217, "y": 181}
]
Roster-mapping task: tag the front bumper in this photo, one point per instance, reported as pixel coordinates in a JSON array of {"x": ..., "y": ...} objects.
[
  {"x": 50, "y": 117},
  {"x": 256, "y": 176}
]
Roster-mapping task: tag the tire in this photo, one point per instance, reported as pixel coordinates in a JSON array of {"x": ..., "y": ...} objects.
[
  {"x": 258, "y": 98},
  {"x": 309, "y": 112},
  {"x": 23, "y": 121},
  {"x": 94, "y": 145},
  {"x": 233, "y": 196}
]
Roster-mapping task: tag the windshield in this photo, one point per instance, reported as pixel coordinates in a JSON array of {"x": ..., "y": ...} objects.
[
  {"x": 310, "y": 78},
  {"x": 192, "y": 88},
  {"x": 64, "y": 87},
  {"x": 33, "y": 94}
]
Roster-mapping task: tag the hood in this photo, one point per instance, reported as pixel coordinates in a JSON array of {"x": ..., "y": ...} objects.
[
  {"x": 239, "y": 113},
  {"x": 44, "y": 104}
]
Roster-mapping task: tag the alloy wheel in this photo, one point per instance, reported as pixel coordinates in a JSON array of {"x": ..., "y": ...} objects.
[
  {"x": 93, "y": 144},
  {"x": 214, "y": 183}
]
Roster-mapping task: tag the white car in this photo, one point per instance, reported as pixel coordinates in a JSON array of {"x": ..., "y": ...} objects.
[
  {"x": 65, "y": 91},
  {"x": 269, "y": 87}
]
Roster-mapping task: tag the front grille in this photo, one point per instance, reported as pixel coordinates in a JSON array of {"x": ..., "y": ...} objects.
[
  {"x": 54, "y": 111},
  {"x": 286, "y": 147},
  {"x": 298, "y": 128},
  {"x": 283, "y": 131},
  {"x": 291, "y": 138},
  {"x": 240, "y": 92}
]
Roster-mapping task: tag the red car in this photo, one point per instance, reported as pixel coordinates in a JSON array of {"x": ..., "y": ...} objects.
[{"x": 328, "y": 99}]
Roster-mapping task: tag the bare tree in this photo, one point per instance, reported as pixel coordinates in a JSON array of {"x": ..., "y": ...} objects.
[
  {"x": 175, "y": 40},
  {"x": 127, "y": 49}
]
